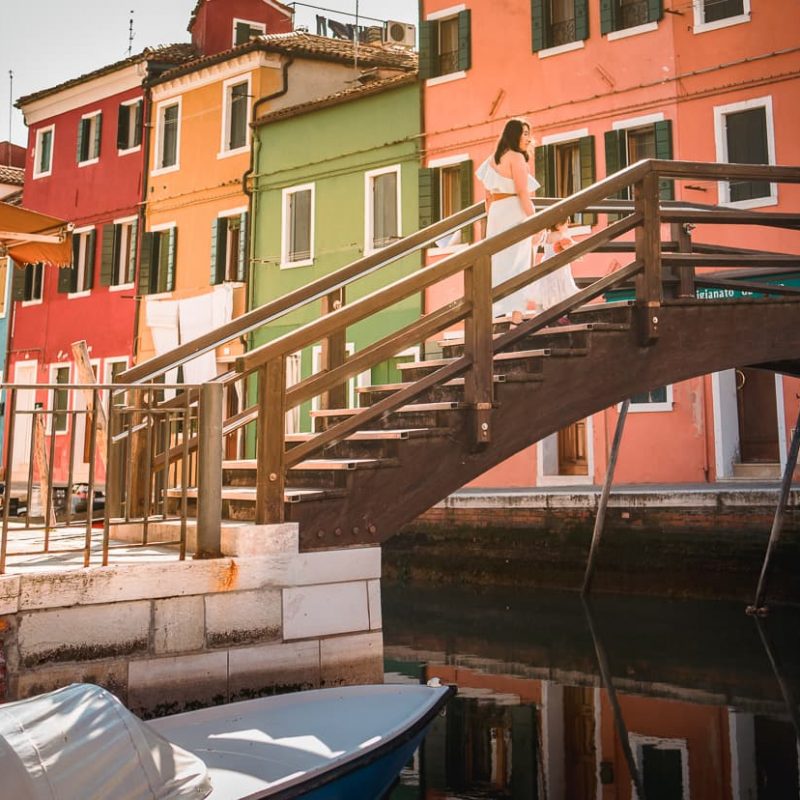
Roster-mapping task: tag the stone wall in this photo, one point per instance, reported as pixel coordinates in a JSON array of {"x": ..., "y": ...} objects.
[{"x": 172, "y": 635}]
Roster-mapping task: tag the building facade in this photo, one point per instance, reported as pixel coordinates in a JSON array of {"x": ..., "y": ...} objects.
[{"x": 603, "y": 85}]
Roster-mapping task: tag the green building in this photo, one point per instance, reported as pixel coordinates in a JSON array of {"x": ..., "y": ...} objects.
[{"x": 334, "y": 180}]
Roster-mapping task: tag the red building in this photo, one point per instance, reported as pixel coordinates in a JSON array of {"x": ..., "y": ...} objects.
[{"x": 603, "y": 85}]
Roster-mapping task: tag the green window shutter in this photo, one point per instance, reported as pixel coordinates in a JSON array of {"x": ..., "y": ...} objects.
[
  {"x": 107, "y": 254},
  {"x": 123, "y": 125},
  {"x": 466, "y": 196},
  {"x": 428, "y": 197},
  {"x": 241, "y": 256},
  {"x": 616, "y": 159},
  {"x": 663, "y": 134},
  {"x": 242, "y": 32},
  {"x": 18, "y": 282},
  {"x": 464, "y": 43},
  {"x": 81, "y": 134},
  {"x": 428, "y": 47},
  {"x": 581, "y": 20},
  {"x": 588, "y": 174},
  {"x": 137, "y": 123},
  {"x": 655, "y": 10},
  {"x": 172, "y": 251},
  {"x": 545, "y": 170},
  {"x": 91, "y": 247},
  {"x": 145, "y": 262},
  {"x": 537, "y": 24},
  {"x": 606, "y": 16},
  {"x": 98, "y": 135},
  {"x": 132, "y": 252},
  {"x": 65, "y": 279},
  {"x": 214, "y": 276}
]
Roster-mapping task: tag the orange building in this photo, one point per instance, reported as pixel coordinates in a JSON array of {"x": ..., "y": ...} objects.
[{"x": 605, "y": 84}]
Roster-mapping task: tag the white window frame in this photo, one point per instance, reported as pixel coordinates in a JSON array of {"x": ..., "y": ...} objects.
[
  {"x": 369, "y": 222},
  {"x": 723, "y": 189},
  {"x": 439, "y": 163},
  {"x": 107, "y": 374},
  {"x": 650, "y": 408},
  {"x": 159, "y": 148},
  {"x": 438, "y": 16},
  {"x": 119, "y": 287},
  {"x": 567, "y": 137},
  {"x": 137, "y": 147},
  {"x": 227, "y": 98},
  {"x": 38, "y": 300},
  {"x": 701, "y": 26},
  {"x": 95, "y": 115},
  {"x": 285, "y": 194},
  {"x": 236, "y": 20},
  {"x": 237, "y": 212},
  {"x": 51, "y": 399},
  {"x": 37, "y": 149},
  {"x": 81, "y": 292},
  {"x": 638, "y": 741}
]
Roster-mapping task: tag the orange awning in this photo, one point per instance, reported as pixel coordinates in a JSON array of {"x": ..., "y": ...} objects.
[{"x": 29, "y": 237}]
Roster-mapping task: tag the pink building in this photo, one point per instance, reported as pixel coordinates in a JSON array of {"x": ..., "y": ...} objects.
[{"x": 603, "y": 85}]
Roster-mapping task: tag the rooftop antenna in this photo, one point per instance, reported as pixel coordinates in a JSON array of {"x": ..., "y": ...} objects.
[
  {"x": 130, "y": 34},
  {"x": 10, "y": 111}
]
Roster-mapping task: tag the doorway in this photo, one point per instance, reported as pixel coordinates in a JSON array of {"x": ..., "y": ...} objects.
[
  {"x": 573, "y": 457},
  {"x": 566, "y": 457},
  {"x": 25, "y": 372},
  {"x": 758, "y": 416}
]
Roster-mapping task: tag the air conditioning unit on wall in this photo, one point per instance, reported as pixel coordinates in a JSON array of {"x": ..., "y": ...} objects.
[{"x": 401, "y": 33}]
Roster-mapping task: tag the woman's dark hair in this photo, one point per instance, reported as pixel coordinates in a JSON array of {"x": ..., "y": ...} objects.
[{"x": 509, "y": 139}]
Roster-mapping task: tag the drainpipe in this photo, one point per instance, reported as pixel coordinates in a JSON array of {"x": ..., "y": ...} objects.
[{"x": 251, "y": 200}]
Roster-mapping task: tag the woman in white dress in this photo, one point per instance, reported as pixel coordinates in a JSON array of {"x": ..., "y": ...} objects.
[
  {"x": 558, "y": 285},
  {"x": 509, "y": 186}
]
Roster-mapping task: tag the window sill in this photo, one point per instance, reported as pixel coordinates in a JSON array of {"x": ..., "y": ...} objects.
[
  {"x": 120, "y": 287},
  {"x": 755, "y": 202},
  {"x": 26, "y": 303},
  {"x": 451, "y": 76},
  {"x": 165, "y": 170},
  {"x": 564, "y": 480},
  {"x": 306, "y": 262},
  {"x": 76, "y": 295},
  {"x": 158, "y": 296},
  {"x": 649, "y": 408},
  {"x": 562, "y": 48},
  {"x": 579, "y": 230},
  {"x": 705, "y": 27},
  {"x": 37, "y": 175},
  {"x": 129, "y": 150},
  {"x": 635, "y": 31},
  {"x": 89, "y": 162},
  {"x": 236, "y": 152}
]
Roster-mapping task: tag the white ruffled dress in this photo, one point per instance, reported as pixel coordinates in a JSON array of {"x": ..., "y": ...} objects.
[
  {"x": 504, "y": 214},
  {"x": 552, "y": 288}
]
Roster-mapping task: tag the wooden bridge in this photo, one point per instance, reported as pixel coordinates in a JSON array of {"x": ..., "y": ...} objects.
[{"x": 471, "y": 402}]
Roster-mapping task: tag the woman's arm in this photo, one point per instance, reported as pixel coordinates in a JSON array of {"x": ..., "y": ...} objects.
[{"x": 519, "y": 174}]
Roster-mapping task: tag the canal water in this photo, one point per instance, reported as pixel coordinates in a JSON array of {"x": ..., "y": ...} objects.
[{"x": 551, "y": 690}]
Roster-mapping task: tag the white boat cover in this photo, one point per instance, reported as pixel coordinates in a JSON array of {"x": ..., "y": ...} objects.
[{"x": 81, "y": 742}]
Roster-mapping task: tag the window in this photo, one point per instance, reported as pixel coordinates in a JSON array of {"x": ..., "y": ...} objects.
[
  {"x": 383, "y": 208},
  {"x": 558, "y": 22},
  {"x": 157, "y": 269},
  {"x": 297, "y": 234},
  {"x": 659, "y": 399},
  {"x": 745, "y": 135},
  {"x": 564, "y": 165},
  {"x": 714, "y": 14},
  {"x": 89, "y": 132},
  {"x": 235, "y": 129},
  {"x": 59, "y": 400},
  {"x": 244, "y": 30},
  {"x": 635, "y": 139},
  {"x": 28, "y": 283},
  {"x": 663, "y": 766},
  {"x": 78, "y": 278},
  {"x": 118, "y": 254},
  {"x": 620, "y": 15},
  {"x": 129, "y": 126},
  {"x": 43, "y": 154},
  {"x": 445, "y": 187},
  {"x": 168, "y": 135},
  {"x": 229, "y": 248},
  {"x": 114, "y": 367},
  {"x": 445, "y": 43}
]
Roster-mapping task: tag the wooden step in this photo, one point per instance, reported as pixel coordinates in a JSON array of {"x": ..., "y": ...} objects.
[
  {"x": 422, "y": 415},
  {"x": 247, "y": 494},
  {"x": 452, "y": 390},
  {"x": 368, "y": 444}
]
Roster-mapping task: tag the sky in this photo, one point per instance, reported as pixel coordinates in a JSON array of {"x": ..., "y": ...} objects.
[{"x": 45, "y": 42}]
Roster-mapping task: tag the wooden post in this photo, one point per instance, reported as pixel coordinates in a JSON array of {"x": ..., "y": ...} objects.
[
  {"x": 11, "y": 411},
  {"x": 648, "y": 252},
  {"x": 86, "y": 376},
  {"x": 777, "y": 522},
  {"x": 600, "y": 519},
  {"x": 479, "y": 381},
  {"x": 209, "y": 472},
  {"x": 270, "y": 447},
  {"x": 43, "y": 468},
  {"x": 682, "y": 234},
  {"x": 334, "y": 353}
]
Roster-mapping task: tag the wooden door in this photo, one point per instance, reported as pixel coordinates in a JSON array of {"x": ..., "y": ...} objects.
[
  {"x": 579, "y": 751},
  {"x": 758, "y": 415},
  {"x": 24, "y": 372},
  {"x": 572, "y": 451}
]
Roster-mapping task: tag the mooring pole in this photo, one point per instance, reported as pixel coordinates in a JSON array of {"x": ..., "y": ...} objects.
[
  {"x": 619, "y": 721},
  {"x": 209, "y": 472},
  {"x": 777, "y": 522},
  {"x": 600, "y": 519}
]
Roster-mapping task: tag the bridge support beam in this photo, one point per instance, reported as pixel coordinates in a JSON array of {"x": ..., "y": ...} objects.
[
  {"x": 600, "y": 519},
  {"x": 758, "y": 606},
  {"x": 648, "y": 252},
  {"x": 479, "y": 382}
]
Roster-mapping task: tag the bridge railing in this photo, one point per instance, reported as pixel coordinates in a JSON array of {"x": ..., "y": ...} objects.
[{"x": 264, "y": 367}]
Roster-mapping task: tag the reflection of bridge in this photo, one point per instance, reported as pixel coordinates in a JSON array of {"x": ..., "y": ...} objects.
[{"x": 365, "y": 471}]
